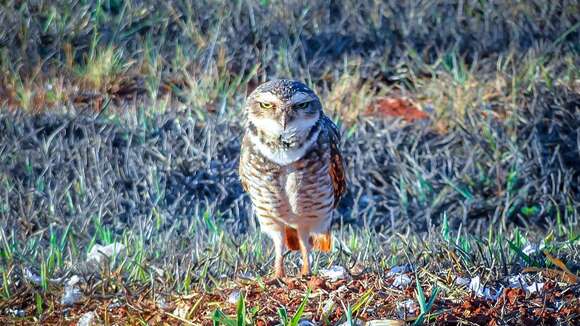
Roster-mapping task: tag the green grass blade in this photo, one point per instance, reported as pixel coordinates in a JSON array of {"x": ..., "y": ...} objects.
[
  {"x": 296, "y": 319},
  {"x": 241, "y": 311}
]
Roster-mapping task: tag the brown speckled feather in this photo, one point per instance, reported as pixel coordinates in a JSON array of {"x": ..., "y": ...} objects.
[
  {"x": 244, "y": 156},
  {"x": 336, "y": 162}
]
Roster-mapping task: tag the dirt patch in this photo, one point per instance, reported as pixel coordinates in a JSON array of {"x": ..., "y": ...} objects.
[{"x": 398, "y": 107}]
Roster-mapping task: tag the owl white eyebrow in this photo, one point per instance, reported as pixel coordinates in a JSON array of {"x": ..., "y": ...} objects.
[
  {"x": 266, "y": 97},
  {"x": 301, "y": 97}
]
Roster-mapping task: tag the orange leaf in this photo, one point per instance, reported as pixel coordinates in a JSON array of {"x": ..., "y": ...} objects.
[
  {"x": 557, "y": 262},
  {"x": 554, "y": 274}
]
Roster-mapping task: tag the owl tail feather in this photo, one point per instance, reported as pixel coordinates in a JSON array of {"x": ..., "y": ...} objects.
[
  {"x": 322, "y": 242},
  {"x": 291, "y": 239}
]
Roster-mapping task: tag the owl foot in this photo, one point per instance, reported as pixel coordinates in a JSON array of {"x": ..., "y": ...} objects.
[{"x": 279, "y": 272}]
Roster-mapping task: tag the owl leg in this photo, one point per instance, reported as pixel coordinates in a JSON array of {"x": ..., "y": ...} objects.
[
  {"x": 278, "y": 239},
  {"x": 305, "y": 247},
  {"x": 275, "y": 231}
]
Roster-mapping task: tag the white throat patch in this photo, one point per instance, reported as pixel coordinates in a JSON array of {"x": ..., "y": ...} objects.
[
  {"x": 268, "y": 126},
  {"x": 284, "y": 156},
  {"x": 273, "y": 127}
]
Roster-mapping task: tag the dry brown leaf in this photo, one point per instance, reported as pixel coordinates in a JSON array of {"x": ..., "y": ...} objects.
[
  {"x": 557, "y": 262},
  {"x": 554, "y": 274},
  {"x": 397, "y": 107}
]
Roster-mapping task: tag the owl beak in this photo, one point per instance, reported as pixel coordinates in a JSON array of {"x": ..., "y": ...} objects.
[{"x": 284, "y": 120}]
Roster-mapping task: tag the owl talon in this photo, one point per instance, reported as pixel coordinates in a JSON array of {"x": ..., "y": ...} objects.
[
  {"x": 277, "y": 281},
  {"x": 305, "y": 271},
  {"x": 305, "y": 274},
  {"x": 279, "y": 273}
]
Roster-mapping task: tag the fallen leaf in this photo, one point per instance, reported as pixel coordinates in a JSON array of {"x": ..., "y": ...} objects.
[
  {"x": 557, "y": 262},
  {"x": 397, "y": 107},
  {"x": 554, "y": 274},
  {"x": 317, "y": 283},
  {"x": 514, "y": 294}
]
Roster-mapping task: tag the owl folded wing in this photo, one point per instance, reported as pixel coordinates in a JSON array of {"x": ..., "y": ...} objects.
[
  {"x": 336, "y": 172},
  {"x": 244, "y": 157}
]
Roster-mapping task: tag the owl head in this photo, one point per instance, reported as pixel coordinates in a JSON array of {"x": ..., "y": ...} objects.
[{"x": 283, "y": 107}]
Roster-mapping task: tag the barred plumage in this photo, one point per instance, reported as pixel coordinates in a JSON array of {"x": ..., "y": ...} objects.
[{"x": 291, "y": 167}]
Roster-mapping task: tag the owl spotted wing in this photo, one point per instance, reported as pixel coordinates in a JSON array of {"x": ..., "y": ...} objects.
[
  {"x": 243, "y": 162},
  {"x": 336, "y": 172}
]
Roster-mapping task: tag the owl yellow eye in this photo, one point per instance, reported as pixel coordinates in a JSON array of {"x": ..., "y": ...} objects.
[
  {"x": 300, "y": 106},
  {"x": 266, "y": 106}
]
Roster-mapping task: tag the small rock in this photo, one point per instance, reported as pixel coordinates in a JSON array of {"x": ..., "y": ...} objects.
[
  {"x": 464, "y": 281},
  {"x": 161, "y": 303},
  {"x": 401, "y": 281},
  {"x": 385, "y": 322},
  {"x": 406, "y": 308},
  {"x": 305, "y": 322},
  {"x": 334, "y": 273},
  {"x": 16, "y": 312},
  {"x": 530, "y": 248},
  {"x": 248, "y": 276},
  {"x": 328, "y": 307},
  {"x": 114, "y": 305},
  {"x": 483, "y": 291},
  {"x": 356, "y": 322},
  {"x": 342, "y": 289},
  {"x": 73, "y": 280},
  {"x": 519, "y": 282},
  {"x": 88, "y": 319},
  {"x": 535, "y": 287},
  {"x": 400, "y": 270},
  {"x": 234, "y": 297},
  {"x": 181, "y": 310},
  {"x": 32, "y": 277},
  {"x": 100, "y": 254},
  {"x": 72, "y": 294},
  {"x": 157, "y": 271}
]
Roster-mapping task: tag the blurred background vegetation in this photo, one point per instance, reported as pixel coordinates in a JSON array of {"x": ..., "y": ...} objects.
[{"x": 202, "y": 53}]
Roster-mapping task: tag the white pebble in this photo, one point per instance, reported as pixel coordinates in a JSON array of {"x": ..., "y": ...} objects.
[
  {"x": 401, "y": 281},
  {"x": 100, "y": 254},
  {"x": 88, "y": 319},
  {"x": 334, "y": 273},
  {"x": 234, "y": 297}
]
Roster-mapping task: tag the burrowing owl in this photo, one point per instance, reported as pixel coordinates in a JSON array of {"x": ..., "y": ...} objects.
[{"x": 292, "y": 168}]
